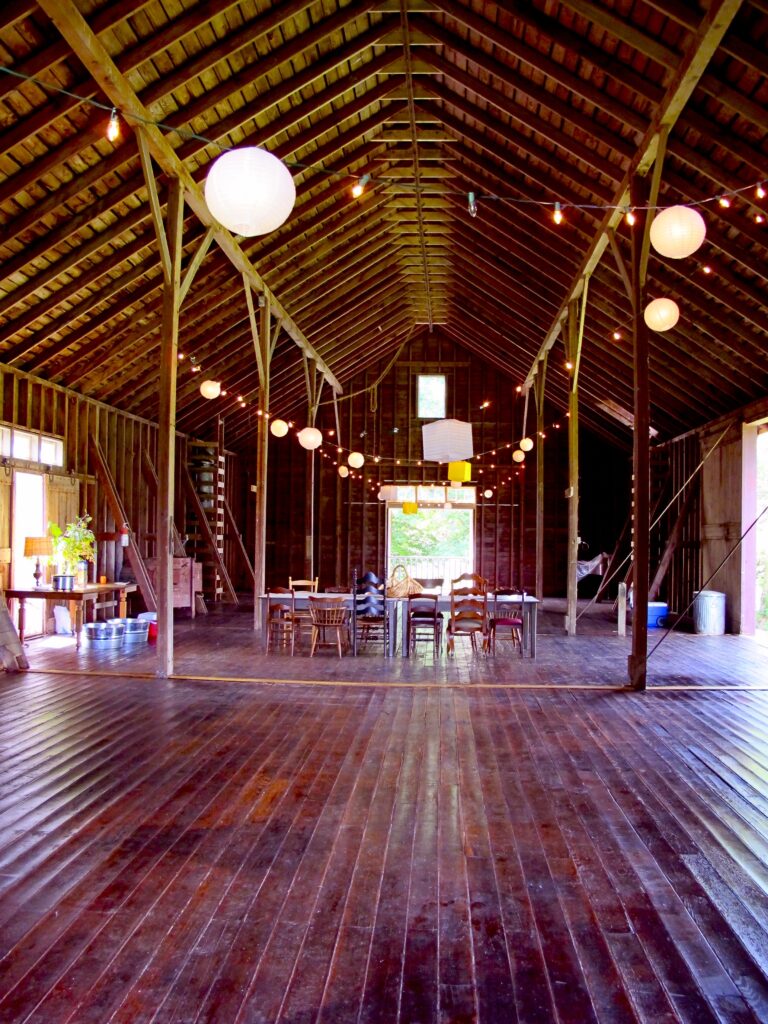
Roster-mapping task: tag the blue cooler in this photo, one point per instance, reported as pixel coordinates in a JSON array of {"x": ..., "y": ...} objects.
[{"x": 657, "y": 612}]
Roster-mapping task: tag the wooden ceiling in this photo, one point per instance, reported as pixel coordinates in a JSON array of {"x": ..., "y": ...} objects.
[{"x": 522, "y": 103}]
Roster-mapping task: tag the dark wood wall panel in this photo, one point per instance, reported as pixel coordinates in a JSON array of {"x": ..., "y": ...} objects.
[{"x": 350, "y": 521}]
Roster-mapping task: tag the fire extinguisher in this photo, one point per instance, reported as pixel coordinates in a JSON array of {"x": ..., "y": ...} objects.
[{"x": 125, "y": 535}]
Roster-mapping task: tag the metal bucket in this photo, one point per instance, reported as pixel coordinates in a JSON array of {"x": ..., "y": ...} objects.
[
  {"x": 136, "y": 630},
  {"x": 104, "y": 635}
]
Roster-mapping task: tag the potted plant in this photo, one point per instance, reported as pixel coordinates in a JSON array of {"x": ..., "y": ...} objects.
[{"x": 73, "y": 545}]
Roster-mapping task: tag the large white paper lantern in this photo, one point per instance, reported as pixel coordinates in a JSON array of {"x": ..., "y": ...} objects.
[
  {"x": 447, "y": 441},
  {"x": 210, "y": 389},
  {"x": 249, "y": 191},
  {"x": 279, "y": 428},
  {"x": 677, "y": 232},
  {"x": 310, "y": 438},
  {"x": 356, "y": 460},
  {"x": 526, "y": 444},
  {"x": 661, "y": 314}
]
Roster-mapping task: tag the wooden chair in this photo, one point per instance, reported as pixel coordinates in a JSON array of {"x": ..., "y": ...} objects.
[
  {"x": 469, "y": 579},
  {"x": 424, "y": 620},
  {"x": 303, "y": 587},
  {"x": 469, "y": 616},
  {"x": 328, "y": 613},
  {"x": 282, "y": 626},
  {"x": 506, "y": 615},
  {"x": 370, "y": 619}
]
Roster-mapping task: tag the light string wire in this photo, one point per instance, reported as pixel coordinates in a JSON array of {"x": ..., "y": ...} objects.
[{"x": 186, "y": 133}]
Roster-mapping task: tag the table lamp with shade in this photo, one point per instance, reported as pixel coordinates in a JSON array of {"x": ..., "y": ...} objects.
[{"x": 38, "y": 547}]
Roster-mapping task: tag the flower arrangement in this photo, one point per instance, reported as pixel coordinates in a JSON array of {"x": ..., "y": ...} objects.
[{"x": 75, "y": 543}]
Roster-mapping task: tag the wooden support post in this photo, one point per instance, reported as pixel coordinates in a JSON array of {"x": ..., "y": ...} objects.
[
  {"x": 166, "y": 440},
  {"x": 539, "y": 384},
  {"x": 262, "y": 347},
  {"x": 641, "y": 461},
  {"x": 572, "y": 339}
]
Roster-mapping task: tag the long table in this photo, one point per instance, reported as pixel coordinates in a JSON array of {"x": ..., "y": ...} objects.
[
  {"x": 77, "y": 599},
  {"x": 399, "y": 606},
  {"x": 530, "y": 614}
]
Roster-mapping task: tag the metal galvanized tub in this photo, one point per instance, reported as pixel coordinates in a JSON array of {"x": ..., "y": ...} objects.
[
  {"x": 104, "y": 635},
  {"x": 136, "y": 630}
]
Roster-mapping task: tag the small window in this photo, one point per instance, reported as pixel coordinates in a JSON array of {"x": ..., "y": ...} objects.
[
  {"x": 431, "y": 396},
  {"x": 26, "y": 446},
  {"x": 51, "y": 451},
  {"x": 5, "y": 441}
]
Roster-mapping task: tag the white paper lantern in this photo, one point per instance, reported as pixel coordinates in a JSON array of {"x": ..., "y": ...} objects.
[
  {"x": 447, "y": 441},
  {"x": 249, "y": 191},
  {"x": 518, "y": 456},
  {"x": 526, "y": 444},
  {"x": 343, "y": 471},
  {"x": 310, "y": 438},
  {"x": 447, "y": 505},
  {"x": 210, "y": 389},
  {"x": 661, "y": 314},
  {"x": 387, "y": 492},
  {"x": 356, "y": 460},
  {"x": 279, "y": 428},
  {"x": 488, "y": 493},
  {"x": 677, "y": 232}
]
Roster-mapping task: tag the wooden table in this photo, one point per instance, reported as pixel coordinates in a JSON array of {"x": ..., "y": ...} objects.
[
  {"x": 77, "y": 599},
  {"x": 302, "y": 603}
]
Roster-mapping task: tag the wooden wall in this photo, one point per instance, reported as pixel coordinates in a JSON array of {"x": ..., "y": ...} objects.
[{"x": 350, "y": 521}]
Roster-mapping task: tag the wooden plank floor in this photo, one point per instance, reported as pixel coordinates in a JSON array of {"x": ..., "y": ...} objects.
[
  {"x": 192, "y": 851},
  {"x": 223, "y": 645}
]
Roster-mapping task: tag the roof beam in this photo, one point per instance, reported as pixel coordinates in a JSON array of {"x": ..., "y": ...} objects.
[
  {"x": 712, "y": 28},
  {"x": 97, "y": 61}
]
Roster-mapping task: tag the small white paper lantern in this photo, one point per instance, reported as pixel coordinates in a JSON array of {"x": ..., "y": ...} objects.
[
  {"x": 677, "y": 232},
  {"x": 343, "y": 471},
  {"x": 447, "y": 441},
  {"x": 488, "y": 493},
  {"x": 356, "y": 460},
  {"x": 279, "y": 428},
  {"x": 526, "y": 444},
  {"x": 210, "y": 389},
  {"x": 387, "y": 492},
  {"x": 249, "y": 191},
  {"x": 310, "y": 438},
  {"x": 518, "y": 456},
  {"x": 661, "y": 314}
]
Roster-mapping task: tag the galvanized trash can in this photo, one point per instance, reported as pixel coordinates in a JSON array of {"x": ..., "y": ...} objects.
[{"x": 709, "y": 612}]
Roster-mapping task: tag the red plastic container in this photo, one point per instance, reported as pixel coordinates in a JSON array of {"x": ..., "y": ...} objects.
[{"x": 152, "y": 634}]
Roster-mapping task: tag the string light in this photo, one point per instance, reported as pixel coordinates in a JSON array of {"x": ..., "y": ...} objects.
[
  {"x": 471, "y": 204},
  {"x": 724, "y": 201},
  {"x": 630, "y": 217},
  {"x": 557, "y": 216},
  {"x": 359, "y": 187},
  {"x": 113, "y": 127},
  {"x": 760, "y": 191}
]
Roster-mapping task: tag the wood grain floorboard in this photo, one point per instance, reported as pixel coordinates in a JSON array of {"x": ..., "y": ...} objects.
[{"x": 178, "y": 852}]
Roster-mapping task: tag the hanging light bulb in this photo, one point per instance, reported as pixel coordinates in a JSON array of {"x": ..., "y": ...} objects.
[
  {"x": 661, "y": 314},
  {"x": 249, "y": 191},
  {"x": 113, "y": 127},
  {"x": 359, "y": 187},
  {"x": 557, "y": 216},
  {"x": 677, "y": 232},
  {"x": 310, "y": 438},
  {"x": 526, "y": 445},
  {"x": 278, "y": 428},
  {"x": 472, "y": 204},
  {"x": 210, "y": 389},
  {"x": 630, "y": 217}
]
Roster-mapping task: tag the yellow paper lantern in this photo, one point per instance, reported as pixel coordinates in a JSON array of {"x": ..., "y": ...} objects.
[
  {"x": 459, "y": 472},
  {"x": 409, "y": 508}
]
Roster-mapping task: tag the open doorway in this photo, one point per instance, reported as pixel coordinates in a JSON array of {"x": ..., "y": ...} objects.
[
  {"x": 438, "y": 540},
  {"x": 761, "y": 539},
  {"x": 29, "y": 520}
]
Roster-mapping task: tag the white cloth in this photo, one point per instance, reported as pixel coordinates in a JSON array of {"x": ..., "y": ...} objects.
[{"x": 594, "y": 566}]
